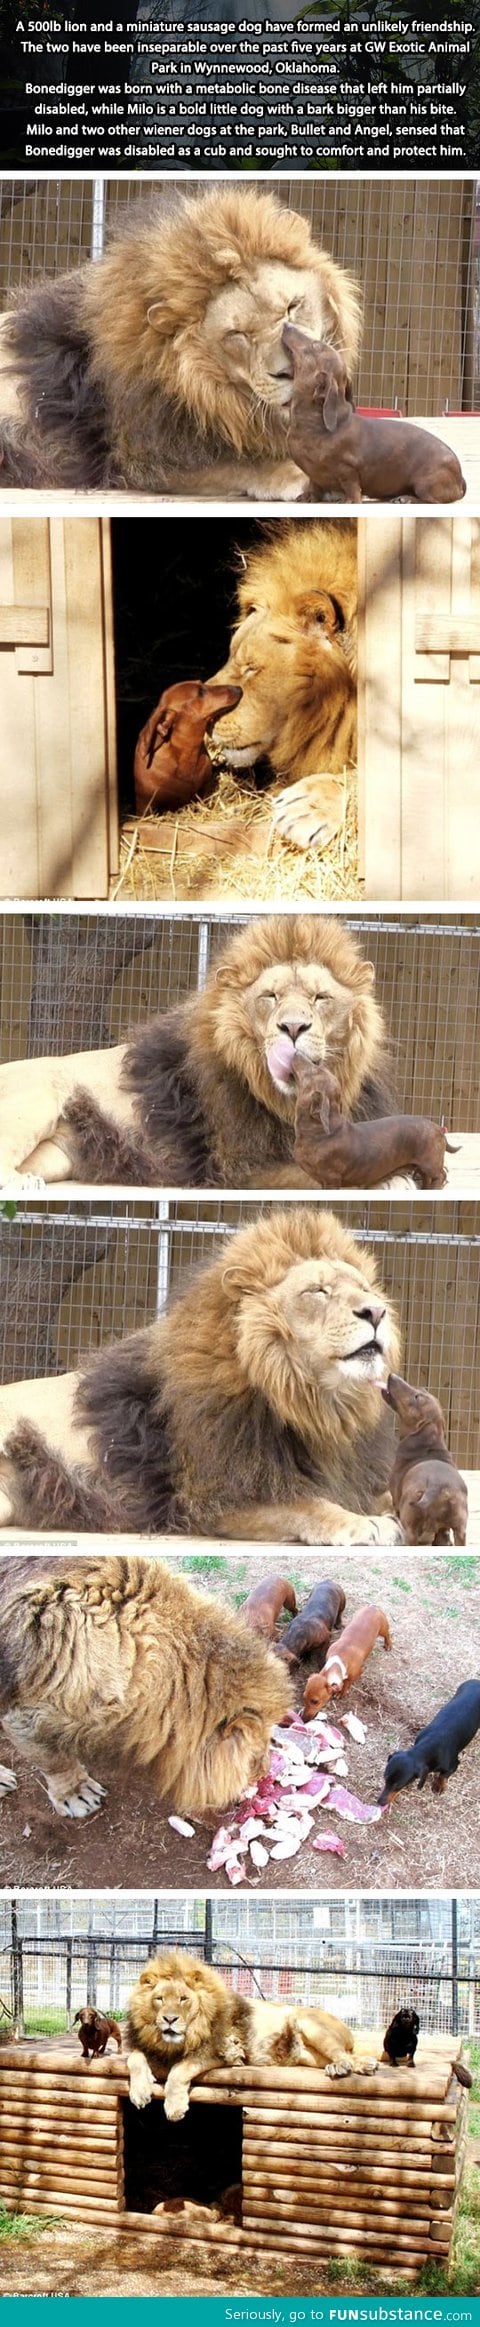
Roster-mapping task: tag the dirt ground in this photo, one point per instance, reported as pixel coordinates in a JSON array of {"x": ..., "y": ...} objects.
[
  {"x": 69, "y": 2262},
  {"x": 424, "y": 1841}
]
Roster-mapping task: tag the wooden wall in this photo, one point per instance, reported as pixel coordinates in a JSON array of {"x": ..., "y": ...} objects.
[{"x": 366, "y": 2167}]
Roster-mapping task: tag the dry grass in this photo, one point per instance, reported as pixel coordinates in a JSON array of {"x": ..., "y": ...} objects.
[{"x": 224, "y": 848}]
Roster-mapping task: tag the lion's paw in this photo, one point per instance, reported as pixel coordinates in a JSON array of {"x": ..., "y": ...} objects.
[
  {"x": 307, "y": 814},
  {"x": 366, "y": 2068},
  {"x": 234, "y": 2051},
  {"x": 361, "y": 1528},
  {"x": 343, "y": 2067},
  {"x": 176, "y": 2101},
  {"x": 142, "y": 2082},
  {"x": 78, "y": 1801},
  {"x": 7, "y": 1780}
]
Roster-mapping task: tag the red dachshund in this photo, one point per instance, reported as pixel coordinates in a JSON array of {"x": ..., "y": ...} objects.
[
  {"x": 94, "y": 2031},
  {"x": 336, "y": 1153},
  {"x": 428, "y": 1493},
  {"x": 345, "y": 453},
  {"x": 265, "y": 1603},
  {"x": 345, "y": 1662},
  {"x": 171, "y": 763}
]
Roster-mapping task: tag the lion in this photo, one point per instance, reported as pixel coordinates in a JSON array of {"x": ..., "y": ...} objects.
[
  {"x": 161, "y": 368},
  {"x": 210, "y": 1103},
  {"x": 252, "y": 1409},
  {"x": 182, "y": 2019},
  {"x": 182, "y": 2007},
  {"x": 119, "y": 1655},
  {"x": 293, "y": 652}
]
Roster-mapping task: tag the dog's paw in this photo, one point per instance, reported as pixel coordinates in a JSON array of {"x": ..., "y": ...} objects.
[{"x": 81, "y": 1800}]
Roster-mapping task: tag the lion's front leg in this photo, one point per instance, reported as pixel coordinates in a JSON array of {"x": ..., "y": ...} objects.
[
  {"x": 314, "y": 1522},
  {"x": 141, "y": 2080},
  {"x": 308, "y": 814},
  {"x": 177, "y": 2089}
]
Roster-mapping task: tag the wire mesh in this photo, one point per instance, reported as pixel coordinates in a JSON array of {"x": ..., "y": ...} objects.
[
  {"x": 362, "y": 1958},
  {"x": 72, "y": 1280},
  {"x": 410, "y": 244},
  {"x": 77, "y": 981}
]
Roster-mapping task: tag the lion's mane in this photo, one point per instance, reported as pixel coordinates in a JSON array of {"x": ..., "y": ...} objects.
[
  {"x": 115, "y": 384},
  {"x": 119, "y": 1654},
  {"x": 281, "y": 656},
  {"x": 215, "y": 2013},
  {"x": 208, "y": 1112},
  {"x": 214, "y": 1406}
]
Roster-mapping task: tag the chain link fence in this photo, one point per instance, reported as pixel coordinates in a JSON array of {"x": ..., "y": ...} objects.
[{"x": 360, "y": 1958}]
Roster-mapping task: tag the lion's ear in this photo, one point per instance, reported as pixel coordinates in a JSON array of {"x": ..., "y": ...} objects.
[
  {"x": 230, "y": 261},
  {"x": 156, "y": 315},
  {"x": 365, "y": 975}
]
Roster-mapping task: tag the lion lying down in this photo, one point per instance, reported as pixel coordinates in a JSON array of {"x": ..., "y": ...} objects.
[
  {"x": 184, "y": 2020},
  {"x": 251, "y": 1410},
  {"x": 120, "y": 1654}
]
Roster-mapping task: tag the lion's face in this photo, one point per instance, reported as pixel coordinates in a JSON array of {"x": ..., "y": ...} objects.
[
  {"x": 172, "y": 2008},
  {"x": 284, "y": 665},
  {"x": 292, "y": 1007},
  {"x": 241, "y": 332},
  {"x": 339, "y": 1328}
]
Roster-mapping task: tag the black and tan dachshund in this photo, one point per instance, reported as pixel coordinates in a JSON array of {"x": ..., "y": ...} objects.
[
  {"x": 436, "y": 1751},
  {"x": 400, "y": 2042}
]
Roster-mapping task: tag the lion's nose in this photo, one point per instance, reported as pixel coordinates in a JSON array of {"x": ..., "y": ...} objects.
[
  {"x": 293, "y": 1025},
  {"x": 372, "y": 1313}
]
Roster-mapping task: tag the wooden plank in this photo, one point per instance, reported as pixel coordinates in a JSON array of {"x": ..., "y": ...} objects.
[{"x": 379, "y": 703}]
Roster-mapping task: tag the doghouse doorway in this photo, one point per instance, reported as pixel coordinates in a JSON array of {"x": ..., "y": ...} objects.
[{"x": 198, "y": 2159}]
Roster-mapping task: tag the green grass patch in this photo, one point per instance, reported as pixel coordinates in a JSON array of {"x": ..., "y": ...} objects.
[{"x": 20, "y": 2226}]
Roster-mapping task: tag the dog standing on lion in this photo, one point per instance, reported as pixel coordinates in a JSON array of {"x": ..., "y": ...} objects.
[
  {"x": 184, "y": 2020},
  {"x": 162, "y": 368},
  {"x": 251, "y": 1409}
]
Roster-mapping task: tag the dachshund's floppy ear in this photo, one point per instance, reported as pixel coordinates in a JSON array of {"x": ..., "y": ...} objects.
[
  {"x": 330, "y": 409},
  {"x": 160, "y": 733}
]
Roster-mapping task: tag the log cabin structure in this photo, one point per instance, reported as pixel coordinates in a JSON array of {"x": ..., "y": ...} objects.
[{"x": 367, "y": 2167}]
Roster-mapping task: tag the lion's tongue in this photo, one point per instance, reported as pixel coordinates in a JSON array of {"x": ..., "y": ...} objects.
[{"x": 280, "y": 1058}]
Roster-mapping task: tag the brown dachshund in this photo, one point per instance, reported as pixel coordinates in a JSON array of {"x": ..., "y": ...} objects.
[
  {"x": 265, "y": 1603},
  {"x": 94, "y": 2031},
  {"x": 171, "y": 763},
  {"x": 345, "y": 1661},
  {"x": 336, "y": 1153},
  {"x": 345, "y": 454},
  {"x": 309, "y": 1634},
  {"x": 428, "y": 1493}
]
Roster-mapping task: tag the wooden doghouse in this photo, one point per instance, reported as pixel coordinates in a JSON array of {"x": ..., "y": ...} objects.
[
  {"x": 419, "y": 706},
  {"x": 358, "y": 2167}
]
